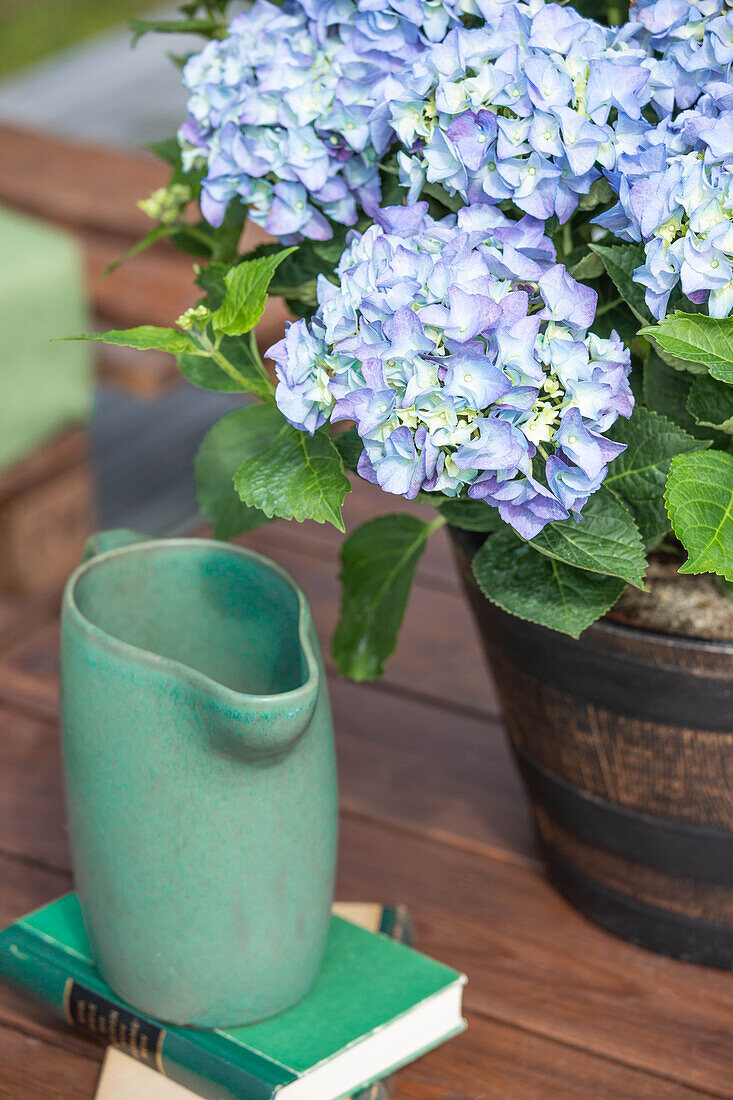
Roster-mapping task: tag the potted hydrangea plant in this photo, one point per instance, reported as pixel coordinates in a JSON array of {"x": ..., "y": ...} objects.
[{"x": 505, "y": 232}]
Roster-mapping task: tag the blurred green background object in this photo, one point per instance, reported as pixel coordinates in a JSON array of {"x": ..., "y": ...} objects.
[
  {"x": 32, "y": 29},
  {"x": 45, "y": 387}
]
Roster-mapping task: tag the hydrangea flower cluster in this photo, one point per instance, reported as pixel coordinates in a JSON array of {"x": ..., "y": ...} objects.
[
  {"x": 676, "y": 196},
  {"x": 527, "y": 107},
  {"x": 461, "y": 351},
  {"x": 288, "y": 111},
  {"x": 693, "y": 44},
  {"x": 281, "y": 125}
]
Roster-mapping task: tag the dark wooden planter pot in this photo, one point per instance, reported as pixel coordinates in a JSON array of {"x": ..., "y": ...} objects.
[{"x": 625, "y": 742}]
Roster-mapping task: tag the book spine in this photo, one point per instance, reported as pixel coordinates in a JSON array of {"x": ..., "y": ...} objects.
[{"x": 191, "y": 1060}]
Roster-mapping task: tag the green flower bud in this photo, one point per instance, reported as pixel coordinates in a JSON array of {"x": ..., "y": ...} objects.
[{"x": 196, "y": 317}]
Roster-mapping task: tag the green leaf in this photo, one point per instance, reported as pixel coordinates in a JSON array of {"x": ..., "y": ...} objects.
[
  {"x": 226, "y": 237},
  {"x": 297, "y": 277},
  {"x": 297, "y": 476},
  {"x": 637, "y": 477},
  {"x": 239, "y": 435},
  {"x": 711, "y": 404},
  {"x": 666, "y": 391},
  {"x": 378, "y": 563},
  {"x": 699, "y": 500},
  {"x": 241, "y": 352},
  {"x": 349, "y": 445},
  {"x": 620, "y": 261},
  {"x": 525, "y": 583},
  {"x": 209, "y": 28},
  {"x": 193, "y": 239},
  {"x": 211, "y": 280},
  {"x": 589, "y": 267},
  {"x": 168, "y": 150},
  {"x": 246, "y": 294},
  {"x": 146, "y": 337},
  {"x": 693, "y": 337},
  {"x": 606, "y": 540},
  {"x": 600, "y": 192},
  {"x": 470, "y": 515},
  {"x": 439, "y": 194}
]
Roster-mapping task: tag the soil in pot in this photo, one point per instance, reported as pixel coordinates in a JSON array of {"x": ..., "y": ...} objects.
[{"x": 694, "y": 607}]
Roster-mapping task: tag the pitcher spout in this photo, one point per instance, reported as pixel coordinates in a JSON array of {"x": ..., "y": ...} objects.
[
  {"x": 242, "y": 641},
  {"x": 262, "y": 726}
]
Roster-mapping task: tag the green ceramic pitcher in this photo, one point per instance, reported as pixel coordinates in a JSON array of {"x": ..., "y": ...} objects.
[{"x": 200, "y": 777}]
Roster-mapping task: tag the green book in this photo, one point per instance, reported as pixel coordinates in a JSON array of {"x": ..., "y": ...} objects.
[{"x": 377, "y": 1005}]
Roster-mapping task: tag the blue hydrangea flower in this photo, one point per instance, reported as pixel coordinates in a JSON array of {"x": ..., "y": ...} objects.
[
  {"x": 282, "y": 113},
  {"x": 525, "y": 107},
  {"x": 676, "y": 196},
  {"x": 692, "y": 42},
  {"x": 288, "y": 111},
  {"x": 461, "y": 351}
]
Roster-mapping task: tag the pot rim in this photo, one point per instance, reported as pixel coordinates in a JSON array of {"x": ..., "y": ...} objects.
[
  {"x": 607, "y": 623},
  {"x": 214, "y": 688}
]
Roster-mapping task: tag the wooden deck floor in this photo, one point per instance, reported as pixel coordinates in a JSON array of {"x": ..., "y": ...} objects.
[{"x": 432, "y": 815}]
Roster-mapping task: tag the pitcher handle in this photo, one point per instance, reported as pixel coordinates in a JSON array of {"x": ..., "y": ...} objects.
[{"x": 114, "y": 539}]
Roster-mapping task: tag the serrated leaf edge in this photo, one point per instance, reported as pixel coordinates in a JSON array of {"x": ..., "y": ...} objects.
[
  {"x": 729, "y": 511},
  {"x": 526, "y": 618}
]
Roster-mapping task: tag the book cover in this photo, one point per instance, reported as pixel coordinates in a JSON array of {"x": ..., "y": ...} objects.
[
  {"x": 125, "y": 1078},
  {"x": 376, "y": 1006}
]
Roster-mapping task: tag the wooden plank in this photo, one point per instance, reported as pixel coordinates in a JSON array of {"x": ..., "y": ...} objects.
[
  {"x": 468, "y": 790},
  {"x": 29, "y": 672},
  {"x": 436, "y": 566},
  {"x": 43, "y": 532},
  {"x": 65, "y": 452},
  {"x": 438, "y": 656},
  {"x": 83, "y": 185},
  {"x": 491, "y": 1059},
  {"x": 487, "y": 1062},
  {"x": 37, "y": 1070},
  {"x": 45, "y": 516},
  {"x": 533, "y": 964},
  {"x": 32, "y": 814},
  {"x": 21, "y": 615},
  {"x": 75, "y": 184},
  {"x": 152, "y": 288}
]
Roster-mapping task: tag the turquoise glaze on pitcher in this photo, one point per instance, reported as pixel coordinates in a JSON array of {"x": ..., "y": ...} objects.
[{"x": 200, "y": 777}]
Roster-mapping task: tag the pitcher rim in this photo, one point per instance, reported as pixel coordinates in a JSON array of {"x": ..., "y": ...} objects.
[{"x": 305, "y": 618}]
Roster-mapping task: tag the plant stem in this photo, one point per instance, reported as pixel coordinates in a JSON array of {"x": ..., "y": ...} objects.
[
  {"x": 436, "y": 525},
  {"x": 221, "y": 360},
  {"x": 567, "y": 239},
  {"x": 197, "y": 233},
  {"x": 617, "y": 13},
  {"x": 256, "y": 359}
]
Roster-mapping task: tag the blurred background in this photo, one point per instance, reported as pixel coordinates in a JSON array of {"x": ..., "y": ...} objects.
[
  {"x": 89, "y": 435},
  {"x": 92, "y": 435}
]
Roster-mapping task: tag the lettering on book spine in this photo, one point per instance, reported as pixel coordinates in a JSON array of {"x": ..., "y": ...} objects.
[{"x": 112, "y": 1023}]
